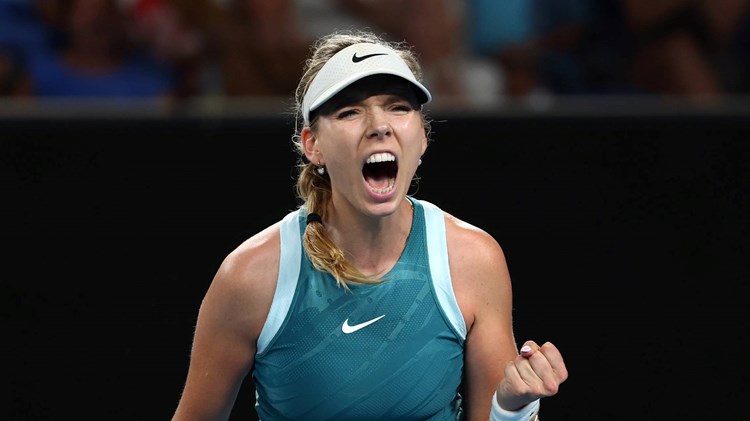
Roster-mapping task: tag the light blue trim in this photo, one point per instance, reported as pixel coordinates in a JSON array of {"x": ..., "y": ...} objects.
[
  {"x": 437, "y": 249},
  {"x": 289, "y": 266}
]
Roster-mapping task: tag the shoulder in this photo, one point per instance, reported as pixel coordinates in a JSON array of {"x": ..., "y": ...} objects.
[
  {"x": 253, "y": 266},
  {"x": 469, "y": 244},
  {"x": 478, "y": 268},
  {"x": 254, "y": 257},
  {"x": 242, "y": 289}
]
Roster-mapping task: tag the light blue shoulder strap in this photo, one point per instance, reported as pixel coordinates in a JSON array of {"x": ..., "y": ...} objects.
[
  {"x": 289, "y": 266},
  {"x": 437, "y": 248}
]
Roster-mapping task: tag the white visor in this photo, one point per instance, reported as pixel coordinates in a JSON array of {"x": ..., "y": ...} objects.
[{"x": 352, "y": 64}]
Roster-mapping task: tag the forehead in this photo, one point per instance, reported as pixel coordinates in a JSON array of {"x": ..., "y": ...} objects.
[{"x": 371, "y": 86}]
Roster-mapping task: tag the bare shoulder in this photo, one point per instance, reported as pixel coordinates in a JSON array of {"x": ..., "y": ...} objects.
[
  {"x": 478, "y": 268},
  {"x": 469, "y": 245},
  {"x": 254, "y": 262},
  {"x": 244, "y": 284}
]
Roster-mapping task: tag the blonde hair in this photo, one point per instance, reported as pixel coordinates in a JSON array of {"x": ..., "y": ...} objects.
[{"x": 314, "y": 189}]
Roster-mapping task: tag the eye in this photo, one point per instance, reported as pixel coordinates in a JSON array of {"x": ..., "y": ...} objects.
[
  {"x": 347, "y": 112},
  {"x": 401, "y": 107}
]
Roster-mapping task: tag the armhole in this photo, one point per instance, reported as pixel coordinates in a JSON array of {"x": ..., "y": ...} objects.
[
  {"x": 437, "y": 249},
  {"x": 289, "y": 266}
]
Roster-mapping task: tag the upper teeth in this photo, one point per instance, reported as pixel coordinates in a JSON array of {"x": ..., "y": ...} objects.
[{"x": 381, "y": 157}]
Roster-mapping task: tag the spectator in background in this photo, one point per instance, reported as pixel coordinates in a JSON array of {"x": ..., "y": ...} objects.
[
  {"x": 534, "y": 41},
  {"x": 94, "y": 58},
  {"x": 262, "y": 48},
  {"x": 11, "y": 83},
  {"x": 26, "y": 29},
  {"x": 605, "y": 51},
  {"x": 233, "y": 48},
  {"x": 689, "y": 47},
  {"x": 183, "y": 35}
]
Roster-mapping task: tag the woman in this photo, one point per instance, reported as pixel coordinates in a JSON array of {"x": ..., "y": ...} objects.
[{"x": 365, "y": 303}]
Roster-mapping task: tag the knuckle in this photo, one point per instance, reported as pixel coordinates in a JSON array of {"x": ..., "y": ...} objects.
[{"x": 551, "y": 387}]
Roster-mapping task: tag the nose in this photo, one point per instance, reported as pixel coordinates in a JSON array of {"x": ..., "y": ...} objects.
[{"x": 379, "y": 128}]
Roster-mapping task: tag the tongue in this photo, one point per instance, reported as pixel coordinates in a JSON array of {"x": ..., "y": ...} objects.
[{"x": 377, "y": 181}]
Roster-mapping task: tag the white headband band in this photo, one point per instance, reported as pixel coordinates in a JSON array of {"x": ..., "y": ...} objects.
[{"x": 352, "y": 64}]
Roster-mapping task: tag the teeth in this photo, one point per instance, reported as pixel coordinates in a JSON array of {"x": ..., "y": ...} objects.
[
  {"x": 383, "y": 190},
  {"x": 381, "y": 157}
]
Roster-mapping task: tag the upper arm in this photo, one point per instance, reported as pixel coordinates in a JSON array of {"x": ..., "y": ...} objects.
[
  {"x": 230, "y": 319},
  {"x": 483, "y": 289}
]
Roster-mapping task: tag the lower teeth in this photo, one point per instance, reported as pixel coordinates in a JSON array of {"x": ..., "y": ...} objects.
[{"x": 382, "y": 190}]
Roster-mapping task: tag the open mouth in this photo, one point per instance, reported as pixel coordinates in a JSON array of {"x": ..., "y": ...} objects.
[{"x": 380, "y": 172}]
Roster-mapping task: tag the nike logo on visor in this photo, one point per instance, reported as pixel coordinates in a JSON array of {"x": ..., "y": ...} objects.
[
  {"x": 357, "y": 59},
  {"x": 346, "y": 328}
]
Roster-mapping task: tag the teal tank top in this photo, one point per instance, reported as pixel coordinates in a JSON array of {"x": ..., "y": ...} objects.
[{"x": 390, "y": 351}]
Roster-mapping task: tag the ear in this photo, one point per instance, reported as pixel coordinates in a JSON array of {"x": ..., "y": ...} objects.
[
  {"x": 424, "y": 144},
  {"x": 310, "y": 145}
]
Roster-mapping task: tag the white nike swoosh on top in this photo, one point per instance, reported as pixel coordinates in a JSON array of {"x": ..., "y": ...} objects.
[{"x": 349, "y": 329}]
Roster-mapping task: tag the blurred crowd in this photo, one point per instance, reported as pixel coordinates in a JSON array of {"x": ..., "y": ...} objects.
[{"x": 473, "y": 51}]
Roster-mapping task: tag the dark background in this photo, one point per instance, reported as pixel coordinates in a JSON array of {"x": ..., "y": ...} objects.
[{"x": 625, "y": 237}]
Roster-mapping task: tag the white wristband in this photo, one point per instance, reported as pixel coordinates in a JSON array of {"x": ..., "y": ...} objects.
[{"x": 524, "y": 414}]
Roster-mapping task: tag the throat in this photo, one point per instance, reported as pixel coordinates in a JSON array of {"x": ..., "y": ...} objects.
[{"x": 377, "y": 258}]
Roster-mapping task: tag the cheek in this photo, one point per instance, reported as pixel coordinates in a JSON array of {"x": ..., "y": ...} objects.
[
  {"x": 337, "y": 149},
  {"x": 413, "y": 134}
]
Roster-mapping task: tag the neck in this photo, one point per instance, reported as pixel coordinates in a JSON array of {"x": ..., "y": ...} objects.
[{"x": 374, "y": 245}]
